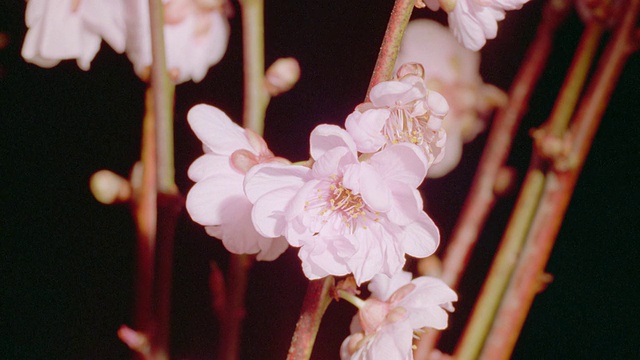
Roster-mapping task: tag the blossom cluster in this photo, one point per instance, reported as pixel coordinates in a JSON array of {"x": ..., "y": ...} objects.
[
  {"x": 195, "y": 32},
  {"x": 398, "y": 308},
  {"x": 354, "y": 208}
]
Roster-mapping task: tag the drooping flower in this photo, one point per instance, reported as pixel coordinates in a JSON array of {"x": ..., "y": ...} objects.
[
  {"x": 346, "y": 215},
  {"x": 398, "y": 308},
  {"x": 217, "y": 200},
  {"x": 401, "y": 111},
  {"x": 71, "y": 29},
  {"x": 196, "y": 33},
  {"x": 474, "y": 21},
  {"x": 453, "y": 71}
]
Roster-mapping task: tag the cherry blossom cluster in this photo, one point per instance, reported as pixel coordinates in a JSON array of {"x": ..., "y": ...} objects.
[
  {"x": 195, "y": 32},
  {"x": 398, "y": 308},
  {"x": 353, "y": 208}
]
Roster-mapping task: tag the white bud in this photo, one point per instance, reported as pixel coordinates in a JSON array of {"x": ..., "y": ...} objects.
[
  {"x": 109, "y": 188},
  {"x": 282, "y": 75}
]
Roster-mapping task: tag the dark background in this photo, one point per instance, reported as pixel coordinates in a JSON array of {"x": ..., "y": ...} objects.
[{"x": 67, "y": 261}]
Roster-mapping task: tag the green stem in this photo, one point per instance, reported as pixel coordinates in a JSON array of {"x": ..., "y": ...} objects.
[
  {"x": 520, "y": 223},
  {"x": 500, "y": 273},
  {"x": 315, "y": 303},
  {"x": 256, "y": 97},
  {"x": 482, "y": 198},
  {"x": 163, "y": 96},
  {"x": 528, "y": 278},
  {"x": 354, "y": 300},
  {"x": 256, "y": 100},
  {"x": 574, "y": 82},
  {"x": 398, "y": 21}
]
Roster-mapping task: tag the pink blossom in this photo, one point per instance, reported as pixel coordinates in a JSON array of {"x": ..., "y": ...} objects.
[
  {"x": 474, "y": 21},
  {"x": 196, "y": 34},
  {"x": 71, "y": 29},
  {"x": 400, "y": 111},
  {"x": 398, "y": 307},
  {"x": 217, "y": 200},
  {"x": 454, "y": 71},
  {"x": 346, "y": 215}
]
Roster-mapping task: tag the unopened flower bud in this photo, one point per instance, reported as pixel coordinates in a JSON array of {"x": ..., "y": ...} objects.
[
  {"x": 109, "y": 188},
  {"x": 282, "y": 75},
  {"x": 410, "y": 69}
]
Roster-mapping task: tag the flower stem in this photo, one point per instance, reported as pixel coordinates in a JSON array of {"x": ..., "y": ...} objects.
[
  {"x": 315, "y": 303},
  {"x": 354, "y": 300},
  {"x": 157, "y": 202},
  {"x": 231, "y": 319},
  {"x": 482, "y": 198},
  {"x": 398, "y": 21},
  {"x": 163, "y": 95},
  {"x": 256, "y": 97},
  {"x": 145, "y": 215},
  {"x": 528, "y": 278},
  {"x": 527, "y": 205},
  {"x": 256, "y": 100}
]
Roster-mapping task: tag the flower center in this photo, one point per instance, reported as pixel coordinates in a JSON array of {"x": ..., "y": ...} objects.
[
  {"x": 402, "y": 127},
  {"x": 332, "y": 198}
]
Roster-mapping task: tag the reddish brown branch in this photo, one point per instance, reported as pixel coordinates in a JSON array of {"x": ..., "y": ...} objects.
[
  {"x": 529, "y": 277},
  {"x": 316, "y": 301},
  {"x": 234, "y": 312},
  {"x": 398, "y": 20},
  {"x": 482, "y": 198}
]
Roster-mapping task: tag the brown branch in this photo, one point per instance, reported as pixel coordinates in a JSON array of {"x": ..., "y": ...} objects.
[
  {"x": 529, "y": 277},
  {"x": 398, "y": 21},
  {"x": 482, "y": 198},
  {"x": 316, "y": 301}
]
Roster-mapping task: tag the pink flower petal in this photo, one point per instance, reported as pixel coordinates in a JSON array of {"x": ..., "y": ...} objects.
[
  {"x": 271, "y": 248},
  {"x": 216, "y": 130},
  {"x": 209, "y": 165},
  {"x": 421, "y": 238},
  {"x": 208, "y": 199},
  {"x": 375, "y": 192},
  {"x": 268, "y": 212},
  {"x": 366, "y": 129},
  {"x": 401, "y": 162},
  {"x": 326, "y": 137},
  {"x": 264, "y": 178}
]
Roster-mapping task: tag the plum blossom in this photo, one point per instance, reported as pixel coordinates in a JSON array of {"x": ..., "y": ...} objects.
[
  {"x": 398, "y": 308},
  {"x": 401, "y": 111},
  {"x": 71, "y": 29},
  {"x": 473, "y": 21},
  {"x": 346, "y": 215},
  {"x": 453, "y": 71},
  {"x": 217, "y": 200},
  {"x": 196, "y": 33}
]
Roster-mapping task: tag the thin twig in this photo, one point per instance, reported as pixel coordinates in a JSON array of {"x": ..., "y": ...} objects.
[
  {"x": 527, "y": 205},
  {"x": 145, "y": 215},
  {"x": 316, "y": 301},
  {"x": 231, "y": 319},
  {"x": 482, "y": 198},
  {"x": 398, "y": 21},
  {"x": 526, "y": 282},
  {"x": 256, "y": 97},
  {"x": 481, "y": 195}
]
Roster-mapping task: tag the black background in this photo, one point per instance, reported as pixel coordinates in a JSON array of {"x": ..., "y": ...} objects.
[{"x": 67, "y": 261}]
